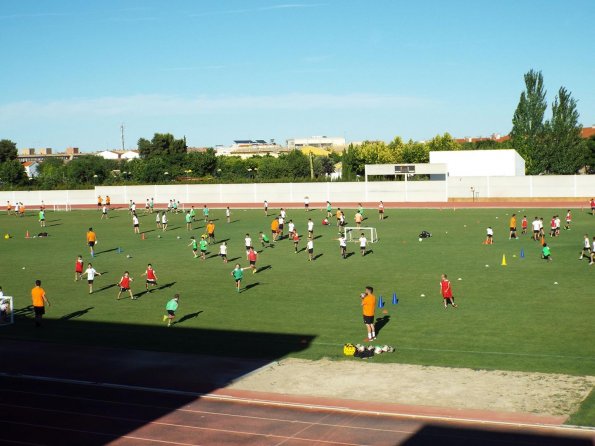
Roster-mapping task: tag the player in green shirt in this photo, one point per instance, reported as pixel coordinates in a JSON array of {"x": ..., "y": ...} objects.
[
  {"x": 194, "y": 245},
  {"x": 360, "y": 209},
  {"x": 170, "y": 308},
  {"x": 188, "y": 218},
  {"x": 203, "y": 248},
  {"x": 193, "y": 213},
  {"x": 329, "y": 209},
  {"x": 264, "y": 239},
  {"x": 238, "y": 275},
  {"x": 205, "y": 213},
  {"x": 546, "y": 254},
  {"x": 42, "y": 218}
]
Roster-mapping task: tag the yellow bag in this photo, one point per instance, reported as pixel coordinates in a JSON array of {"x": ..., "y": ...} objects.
[{"x": 348, "y": 349}]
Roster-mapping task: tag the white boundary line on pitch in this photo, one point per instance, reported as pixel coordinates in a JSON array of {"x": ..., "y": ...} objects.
[
  {"x": 533, "y": 355},
  {"x": 212, "y": 396}
]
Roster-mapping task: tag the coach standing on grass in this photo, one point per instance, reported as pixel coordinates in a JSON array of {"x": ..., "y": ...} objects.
[
  {"x": 39, "y": 300},
  {"x": 368, "y": 308}
]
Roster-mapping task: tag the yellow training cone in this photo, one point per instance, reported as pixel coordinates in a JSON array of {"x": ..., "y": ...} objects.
[{"x": 503, "y": 259}]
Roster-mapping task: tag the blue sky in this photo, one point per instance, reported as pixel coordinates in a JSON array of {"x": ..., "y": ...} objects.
[{"x": 73, "y": 71}]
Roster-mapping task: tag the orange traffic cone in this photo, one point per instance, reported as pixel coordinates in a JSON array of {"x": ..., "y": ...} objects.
[
  {"x": 27, "y": 235},
  {"x": 142, "y": 236}
]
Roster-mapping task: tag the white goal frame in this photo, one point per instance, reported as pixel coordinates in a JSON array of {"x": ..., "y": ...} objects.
[
  {"x": 62, "y": 207},
  {"x": 10, "y": 311},
  {"x": 352, "y": 233}
]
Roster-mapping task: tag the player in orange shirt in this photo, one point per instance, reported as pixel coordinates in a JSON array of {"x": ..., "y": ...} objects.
[
  {"x": 368, "y": 308},
  {"x": 39, "y": 300},
  {"x": 8, "y": 208},
  {"x": 512, "y": 227},
  {"x": 211, "y": 231},
  {"x": 275, "y": 229},
  {"x": 91, "y": 240}
]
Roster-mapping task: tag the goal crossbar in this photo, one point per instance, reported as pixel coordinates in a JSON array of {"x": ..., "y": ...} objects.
[{"x": 352, "y": 233}]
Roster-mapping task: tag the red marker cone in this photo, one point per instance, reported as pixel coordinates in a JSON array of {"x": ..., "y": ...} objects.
[
  {"x": 27, "y": 235},
  {"x": 142, "y": 236}
]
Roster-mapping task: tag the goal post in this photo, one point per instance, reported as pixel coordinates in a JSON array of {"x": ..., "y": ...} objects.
[
  {"x": 352, "y": 233},
  {"x": 6, "y": 310},
  {"x": 62, "y": 207}
]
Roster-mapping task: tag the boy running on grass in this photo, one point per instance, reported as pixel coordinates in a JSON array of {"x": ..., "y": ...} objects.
[
  {"x": 151, "y": 277},
  {"x": 368, "y": 309},
  {"x": 310, "y": 248},
  {"x": 164, "y": 222},
  {"x": 193, "y": 213},
  {"x": 205, "y": 213},
  {"x": 524, "y": 225},
  {"x": 310, "y": 228},
  {"x": 275, "y": 229},
  {"x": 223, "y": 251},
  {"x": 291, "y": 228},
  {"x": 151, "y": 205},
  {"x": 204, "y": 245},
  {"x": 124, "y": 285},
  {"x": 358, "y": 219},
  {"x": 135, "y": 224},
  {"x": 228, "y": 214},
  {"x": 296, "y": 241},
  {"x": 342, "y": 245},
  {"x": 104, "y": 212},
  {"x": 41, "y": 217},
  {"x": 381, "y": 211},
  {"x": 188, "y": 219},
  {"x": 91, "y": 273},
  {"x": 446, "y": 292},
  {"x": 194, "y": 245},
  {"x": 247, "y": 244},
  {"x": 252, "y": 258},
  {"x": 535, "y": 225},
  {"x": 78, "y": 268},
  {"x": 512, "y": 227},
  {"x": 363, "y": 241},
  {"x": 586, "y": 248},
  {"x": 170, "y": 308},
  {"x": 238, "y": 275},
  {"x": 91, "y": 241},
  {"x": 158, "y": 219},
  {"x": 568, "y": 220},
  {"x": 264, "y": 239},
  {"x": 592, "y": 260},
  {"x": 266, "y": 208},
  {"x": 329, "y": 209},
  {"x": 489, "y": 236}
]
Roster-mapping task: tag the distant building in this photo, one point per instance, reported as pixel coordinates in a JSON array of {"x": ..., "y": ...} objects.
[
  {"x": 31, "y": 169},
  {"x": 323, "y": 142},
  {"x": 118, "y": 154},
  {"x": 30, "y": 155},
  {"x": 247, "y": 148}
]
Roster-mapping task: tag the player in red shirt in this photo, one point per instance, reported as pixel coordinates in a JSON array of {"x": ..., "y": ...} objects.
[
  {"x": 446, "y": 291},
  {"x": 553, "y": 226},
  {"x": 592, "y": 206},
  {"x": 568, "y": 220},
  {"x": 151, "y": 277},
  {"x": 78, "y": 268},
  {"x": 252, "y": 258},
  {"x": 124, "y": 285},
  {"x": 524, "y": 225}
]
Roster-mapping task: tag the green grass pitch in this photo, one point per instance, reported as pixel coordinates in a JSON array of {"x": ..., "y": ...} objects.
[{"x": 510, "y": 317}]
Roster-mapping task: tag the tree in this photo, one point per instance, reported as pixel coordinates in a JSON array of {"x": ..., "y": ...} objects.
[
  {"x": 377, "y": 152},
  {"x": 415, "y": 153},
  {"x": 323, "y": 166},
  {"x": 12, "y": 173},
  {"x": 163, "y": 145},
  {"x": 442, "y": 143},
  {"x": 8, "y": 150},
  {"x": 563, "y": 152},
  {"x": 353, "y": 162},
  {"x": 527, "y": 122},
  {"x": 201, "y": 163},
  {"x": 298, "y": 164},
  {"x": 590, "y": 161},
  {"x": 88, "y": 169},
  {"x": 52, "y": 173}
]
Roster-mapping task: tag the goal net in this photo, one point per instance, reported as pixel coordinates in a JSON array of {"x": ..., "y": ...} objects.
[
  {"x": 6, "y": 311},
  {"x": 353, "y": 233},
  {"x": 62, "y": 207}
]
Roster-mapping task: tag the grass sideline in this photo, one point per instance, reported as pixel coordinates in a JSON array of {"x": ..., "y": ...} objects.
[{"x": 509, "y": 318}]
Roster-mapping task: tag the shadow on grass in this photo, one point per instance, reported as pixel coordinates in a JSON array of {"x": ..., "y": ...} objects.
[
  {"x": 317, "y": 256},
  {"x": 349, "y": 254},
  {"x": 381, "y": 322},
  {"x": 234, "y": 259},
  {"x": 369, "y": 251},
  {"x": 187, "y": 317},
  {"x": 76, "y": 314},
  {"x": 250, "y": 286},
  {"x": 105, "y": 251},
  {"x": 263, "y": 268},
  {"x": 106, "y": 287}
]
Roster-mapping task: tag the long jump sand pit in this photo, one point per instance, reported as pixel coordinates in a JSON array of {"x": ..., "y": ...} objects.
[{"x": 538, "y": 393}]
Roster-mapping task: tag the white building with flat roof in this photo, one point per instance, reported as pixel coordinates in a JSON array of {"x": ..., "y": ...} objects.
[
  {"x": 481, "y": 163},
  {"x": 324, "y": 142}
]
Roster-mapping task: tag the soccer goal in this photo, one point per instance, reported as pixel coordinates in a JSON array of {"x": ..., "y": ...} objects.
[
  {"x": 6, "y": 310},
  {"x": 353, "y": 233},
  {"x": 62, "y": 207}
]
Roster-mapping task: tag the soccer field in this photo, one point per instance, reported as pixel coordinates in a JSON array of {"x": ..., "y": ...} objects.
[{"x": 529, "y": 315}]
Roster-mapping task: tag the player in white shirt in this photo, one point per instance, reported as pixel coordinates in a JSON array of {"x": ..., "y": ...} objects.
[
  {"x": 310, "y": 249},
  {"x": 283, "y": 213},
  {"x": 266, "y": 208},
  {"x": 586, "y": 248},
  {"x": 363, "y": 241},
  {"x": 343, "y": 245},
  {"x": 306, "y": 204},
  {"x": 158, "y": 219},
  {"x": 135, "y": 224},
  {"x": 558, "y": 225},
  {"x": 535, "y": 224},
  {"x": 228, "y": 214},
  {"x": 247, "y": 244},
  {"x": 291, "y": 227},
  {"x": 164, "y": 221},
  {"x": 281, "y": 221},
  {"x": 91, "y": 273},
  {"x": 104, "y": 212},
  {"x": 310, "y": 228},
  {"x": 223, "y": 251},
  {"x": 381, "y": 211},
  {"x": 489, "y": 236},
  {"x": 133, "y": 208}
]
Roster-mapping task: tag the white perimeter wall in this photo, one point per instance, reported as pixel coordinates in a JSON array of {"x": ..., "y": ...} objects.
[{"x": 579, "y": 186}]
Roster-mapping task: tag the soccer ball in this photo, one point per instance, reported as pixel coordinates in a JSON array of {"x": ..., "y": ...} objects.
[
  {"x": 420, "y": 239},
  {"x": 159, "y": 236},
  {"x": 178, "y": 237},
  {"x": 361, "y": 296},
  {"x": 127, "y": 256},
  {"x": 6, "y": 236}
]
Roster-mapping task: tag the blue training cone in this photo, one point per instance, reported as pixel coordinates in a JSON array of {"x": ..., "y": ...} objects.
[
  {"x": 522, "y": 253},
  {"x": 380, "y": 302},
  {"x": 395, "y": 299},
  {"x": 119, "y": 250}
]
